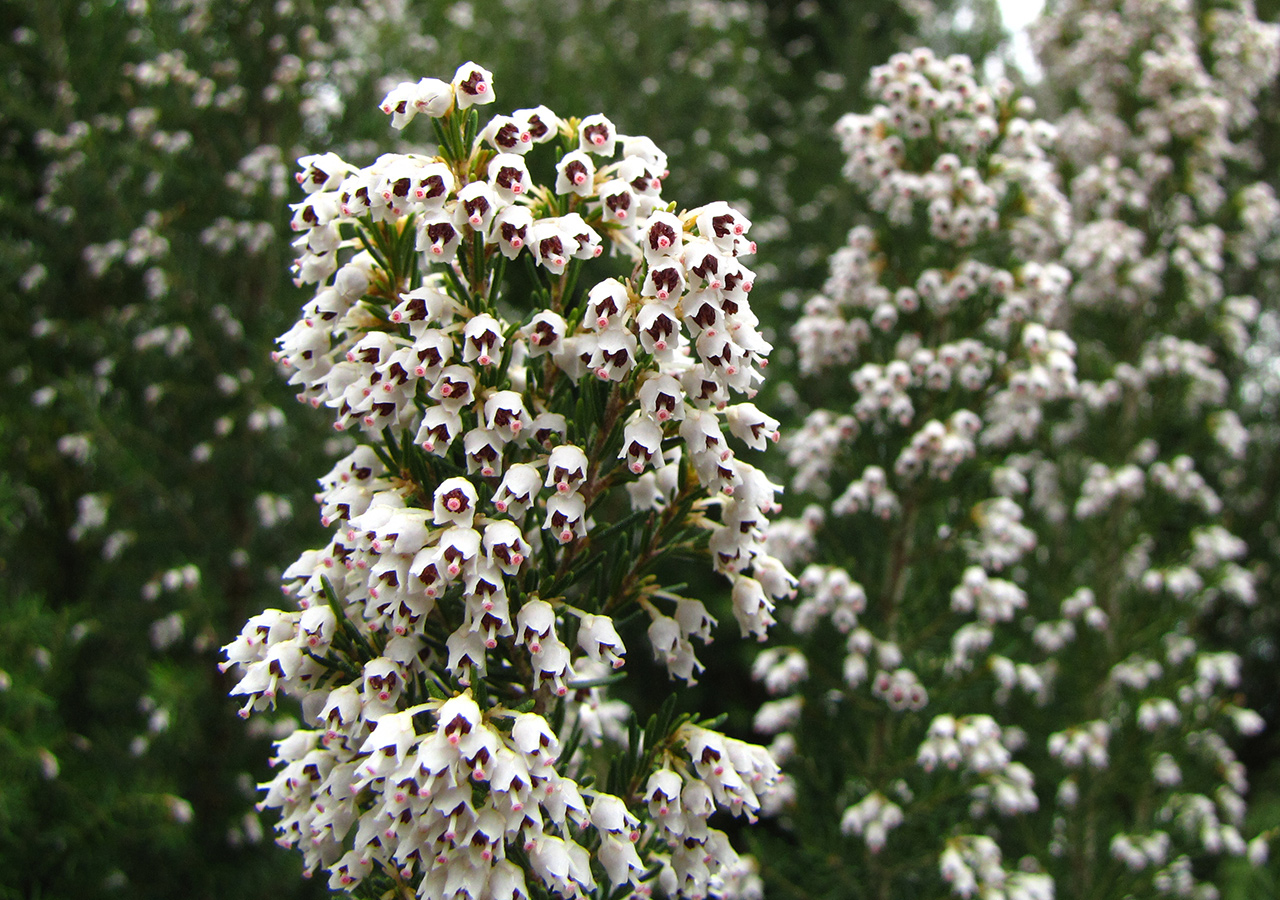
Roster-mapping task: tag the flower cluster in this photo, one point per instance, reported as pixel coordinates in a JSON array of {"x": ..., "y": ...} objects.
[
  {"x": 953, "y": 355},
  {"x": 1020, "y": 544},
  {"x": 468, "y": 589}
]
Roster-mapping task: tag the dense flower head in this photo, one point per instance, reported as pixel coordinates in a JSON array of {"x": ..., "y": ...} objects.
[{"x": 466, "y": 590}]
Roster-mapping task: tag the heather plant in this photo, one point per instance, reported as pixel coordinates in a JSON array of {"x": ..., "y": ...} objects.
[
  {"x": 148, "y": 497},
  {"x": 934, "y": 341},
  {"x": 532, "y": 451},
  {"x": 1019, "y": 549}
]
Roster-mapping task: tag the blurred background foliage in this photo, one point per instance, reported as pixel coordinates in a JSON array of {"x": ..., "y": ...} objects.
[{"x": 155, "y": 472}]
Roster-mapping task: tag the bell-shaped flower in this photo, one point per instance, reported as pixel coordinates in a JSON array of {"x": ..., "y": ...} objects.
[
  {"x": 455, "y": 388},
  {"x": 566, "y": 468},
  {"x": 704, "y": 261},
  {"x": 615, "y": 354},
  {"x": 454, "y": 502},
  {"x": 576, "y": 174},
  {"x": 466, "y": 650},
  {"x": 504, "y": 414},
  {"x": 661, "y": 398},
  {"x": 535, "y": 623},
  {"x": 429, "y": 96},
  {"x": 723, "y": 225},
  {"x": 440, "y": 425},
  {"x": 511, "y": 229},
  {"x": 509, "y": 177},
  {"x": 391, "y": 739},
  {"x": 751, "y": 426},
  {"x": 665, "y": 280},
  {"x": 606, "y": 302},
  {"x": 565, "y": 517},
  {"x": 483, "y": 448},
  {"x": 482, "y": 340},
  {"x": 458, "y": 546},
  {"x": 552, "y": 663},
  {"x": 432, "y": 349},
  {"x": 548, "y": 243},
  {"x": 600, "y": 641},
  {"x": 662, "y": 237},
  {"x": 545, "y": 332},
  {"x": 582, "y": 241},
  {"x": 542, "y": 123},
  {"x": 382, "y": 684},
  {"x": 617, "y": 202},
  {"x": 505, "y": 545},
  {"x": 316, "y": 627},
  {"x": 472, "y": 85},
  {"x": 477, "y": 205},
  {"x": 641, "y": 441},
  {"x": 322, "y": 172},
  {"x": 751, "y": 607},
  {"x": 426, "y": 305},
  {"x": 317, "y": 210},
  {"x": 433, "y": 184},
  {"x": 518, "y": 490},
  {"x": 548, "y": 429},
  {"x": 438, "y": 236},
  {"x": 596, "y": 134},
  {"x": 507, "y": 135}
]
